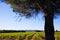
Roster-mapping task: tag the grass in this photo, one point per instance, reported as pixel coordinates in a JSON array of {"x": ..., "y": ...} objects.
[{"x": 26, "y": 36}]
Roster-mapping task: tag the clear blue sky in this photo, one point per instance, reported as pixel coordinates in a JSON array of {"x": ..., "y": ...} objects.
[{"x": 8, "y": 20}]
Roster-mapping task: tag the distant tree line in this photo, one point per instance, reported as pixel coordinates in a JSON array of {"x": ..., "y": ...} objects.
[{"x": 9, "y": 31}]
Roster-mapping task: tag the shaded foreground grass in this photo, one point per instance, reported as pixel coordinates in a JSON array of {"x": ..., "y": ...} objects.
[{"x": 26, "y": 36}]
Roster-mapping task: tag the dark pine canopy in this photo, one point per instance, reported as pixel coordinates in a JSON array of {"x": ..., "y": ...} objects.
[{"x": 26, "y": 7}]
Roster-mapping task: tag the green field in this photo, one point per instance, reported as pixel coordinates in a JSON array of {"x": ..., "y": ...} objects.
[{"x": 26, "y": 36}]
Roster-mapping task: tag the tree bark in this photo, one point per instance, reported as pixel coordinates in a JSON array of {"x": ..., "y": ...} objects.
[{"x": 49, "y": 27}]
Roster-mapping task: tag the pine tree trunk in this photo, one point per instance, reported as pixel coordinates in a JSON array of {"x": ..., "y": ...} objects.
[{"x": 49, "y": 27}]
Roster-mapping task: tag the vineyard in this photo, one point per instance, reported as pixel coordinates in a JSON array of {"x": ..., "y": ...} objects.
[{"x": 26, "y": 36}]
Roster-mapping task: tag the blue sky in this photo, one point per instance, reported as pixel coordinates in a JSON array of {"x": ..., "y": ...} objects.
[{"x": 8, "y": 20}]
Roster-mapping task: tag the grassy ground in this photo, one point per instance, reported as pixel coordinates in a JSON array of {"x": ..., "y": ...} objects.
[{"x": 26, "y": 36}]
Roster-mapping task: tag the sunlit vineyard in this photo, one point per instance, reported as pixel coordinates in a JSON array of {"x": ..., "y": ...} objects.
[{"x": 26, "y": 36}]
